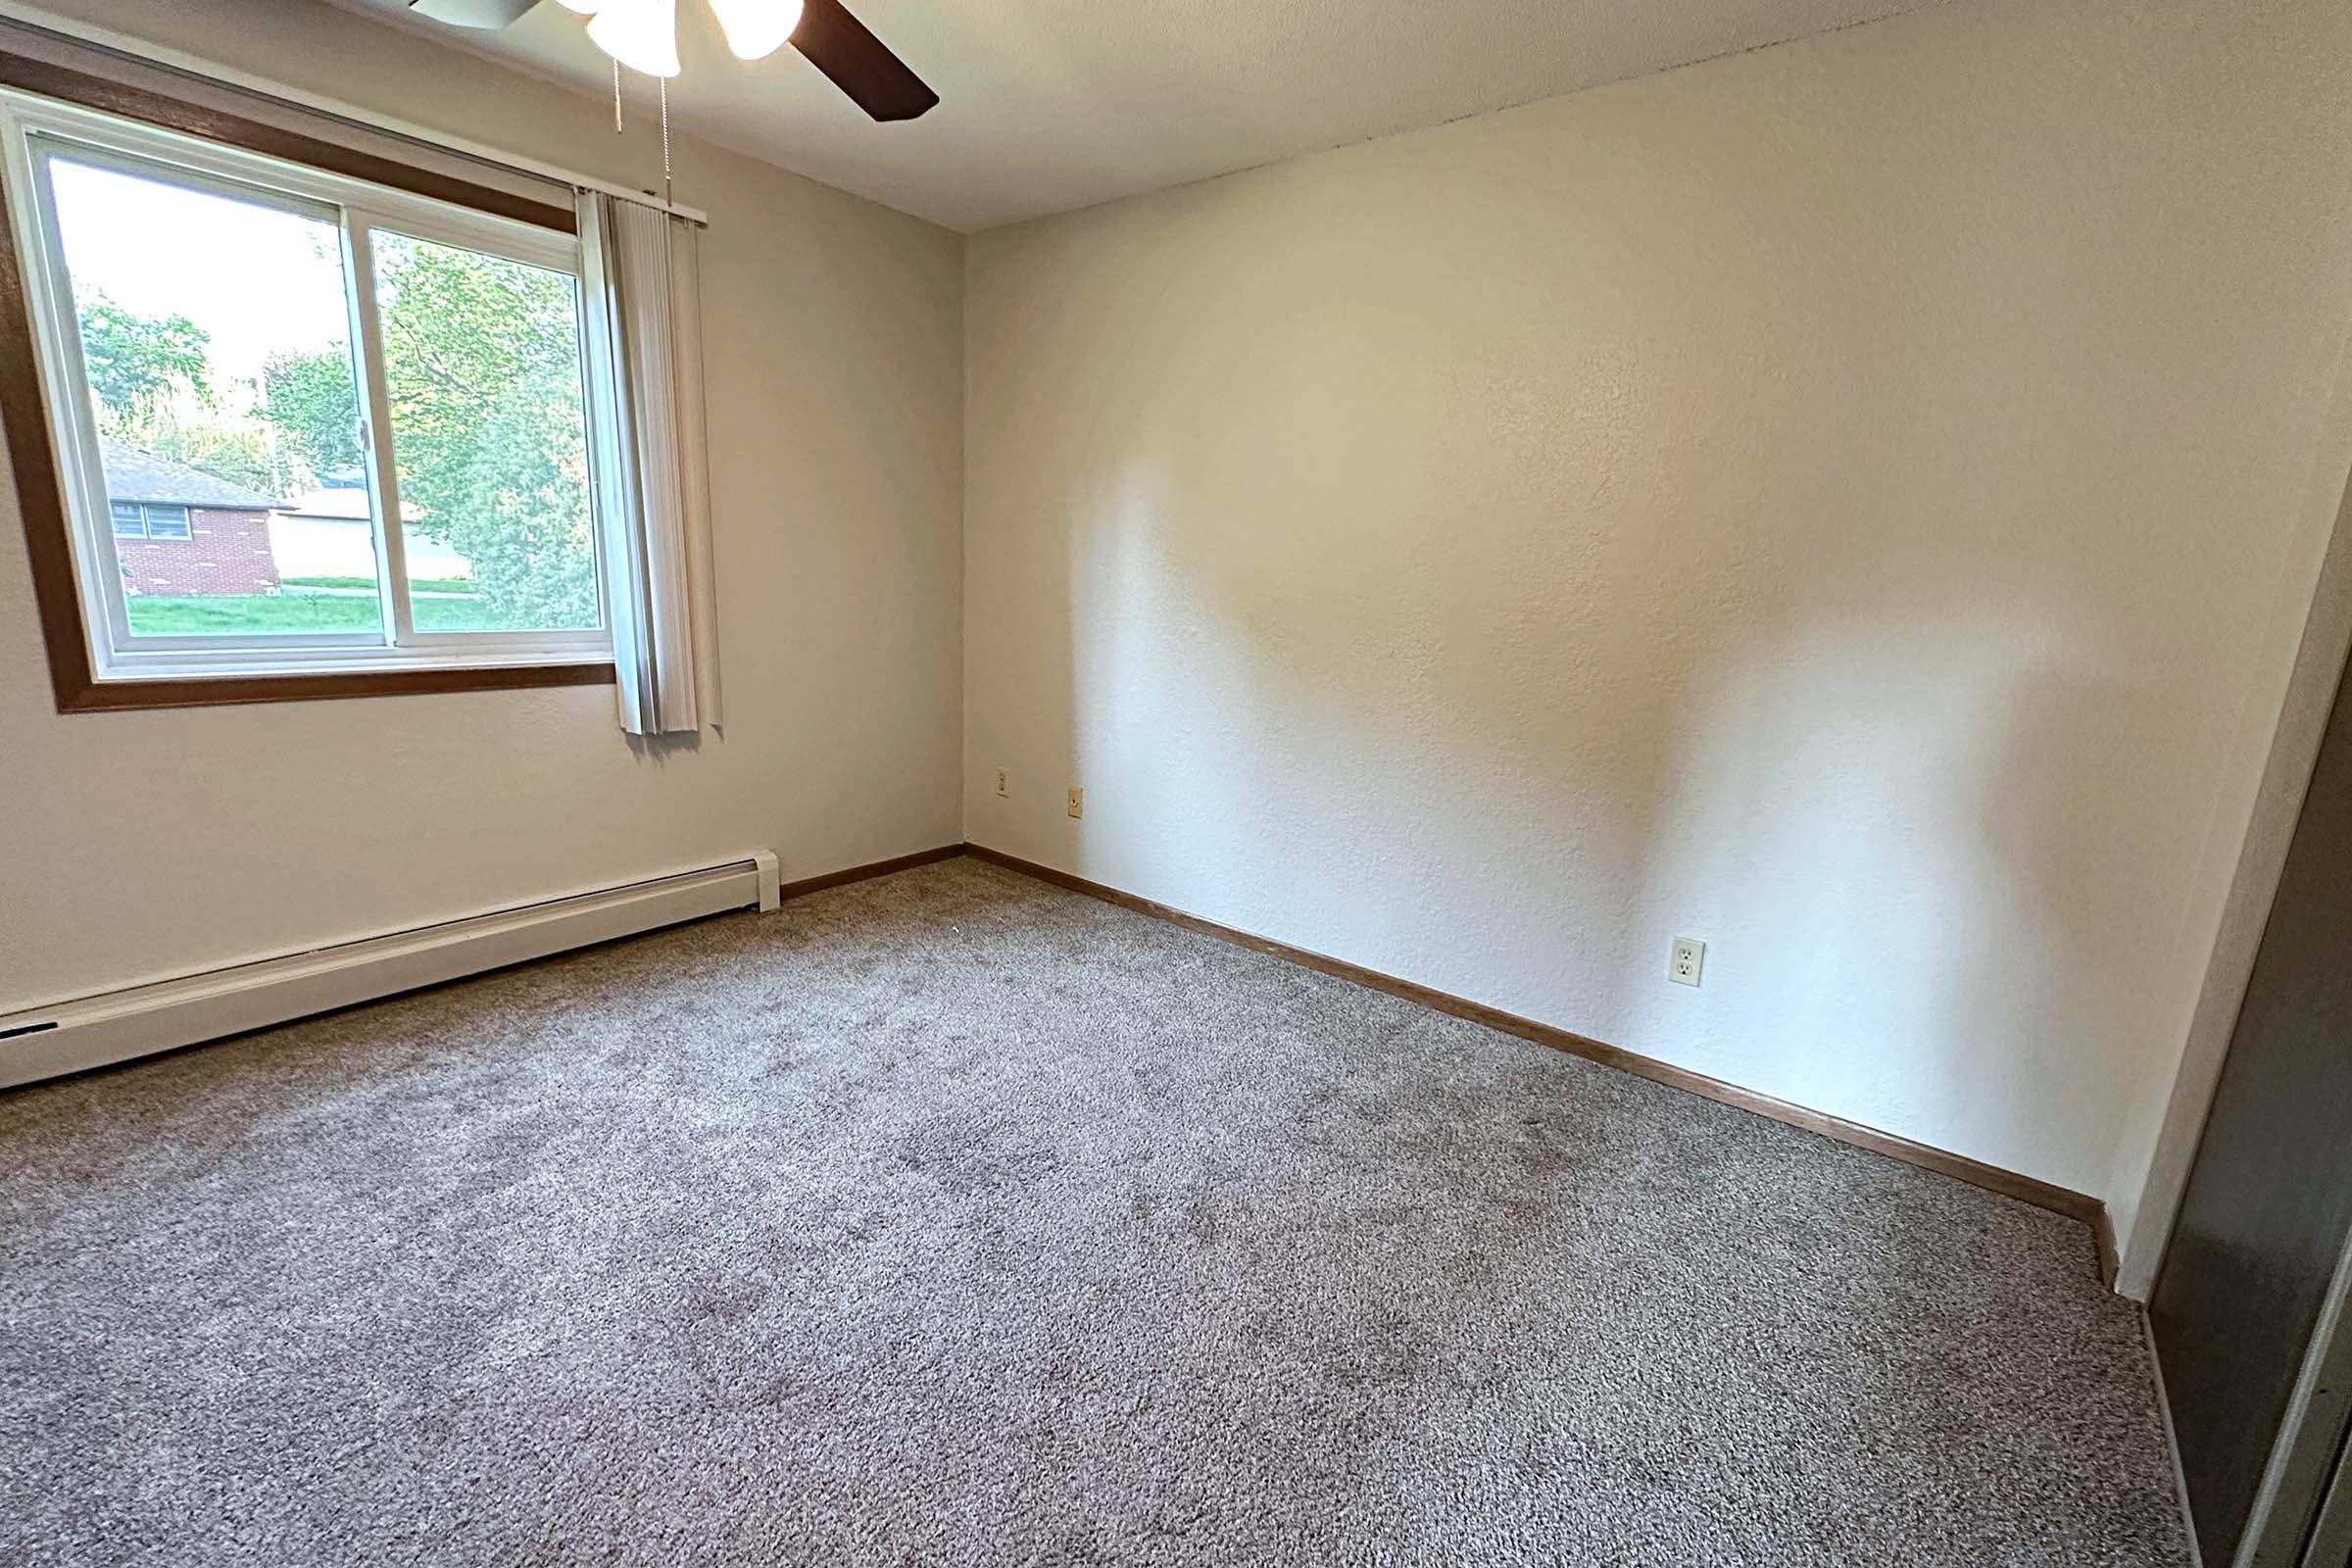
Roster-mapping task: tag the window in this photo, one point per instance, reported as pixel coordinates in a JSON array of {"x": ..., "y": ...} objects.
[
  {"x": 136, "y": 521},
  {"x": 371, "y": 400},
  {"x": 166, "y": 523}
]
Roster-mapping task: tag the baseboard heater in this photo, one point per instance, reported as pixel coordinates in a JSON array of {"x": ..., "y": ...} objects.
[{"x": 112, "y": 1026}]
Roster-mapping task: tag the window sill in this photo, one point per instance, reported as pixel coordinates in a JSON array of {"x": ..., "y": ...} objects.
[{"x": 86, "y": 696}]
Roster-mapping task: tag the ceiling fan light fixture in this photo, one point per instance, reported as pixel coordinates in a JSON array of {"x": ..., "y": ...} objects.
[
  {"x": 642, "y": 34},
  {"x": 757, "y": 29}
]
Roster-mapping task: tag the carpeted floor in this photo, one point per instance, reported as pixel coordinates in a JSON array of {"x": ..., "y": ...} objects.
[{"x": 950, "y": 1218}]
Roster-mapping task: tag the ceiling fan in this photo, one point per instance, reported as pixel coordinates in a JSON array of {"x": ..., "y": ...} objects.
[{"x": 643, "y": 34}]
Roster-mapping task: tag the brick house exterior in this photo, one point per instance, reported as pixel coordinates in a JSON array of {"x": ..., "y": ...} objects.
[{"x": 180, "y": 531}]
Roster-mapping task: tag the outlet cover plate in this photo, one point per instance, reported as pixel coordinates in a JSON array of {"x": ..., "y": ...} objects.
[{"x": 1685, "y": 961}]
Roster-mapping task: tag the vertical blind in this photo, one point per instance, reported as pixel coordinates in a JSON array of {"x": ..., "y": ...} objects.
[{"x": 640, "y": 273}]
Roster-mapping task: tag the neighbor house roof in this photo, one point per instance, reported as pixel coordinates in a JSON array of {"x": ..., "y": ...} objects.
[
  {"x": 341, "y": 504},
  {"x": 135, "y": 475}
]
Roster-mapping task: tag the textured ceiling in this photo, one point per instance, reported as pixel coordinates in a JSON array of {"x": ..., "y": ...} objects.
[{"x": 1048, "y": 104}]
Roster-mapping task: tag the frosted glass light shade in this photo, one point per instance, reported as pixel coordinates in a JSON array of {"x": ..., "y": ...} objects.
[
  {"x": 757, "y": 29},
  {"x": 642, "y": 34}
]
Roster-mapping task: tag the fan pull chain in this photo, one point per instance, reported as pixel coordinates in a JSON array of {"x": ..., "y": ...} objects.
[
  {"x": 668, "y": 191},
  {"x": 667, "y": 194}
]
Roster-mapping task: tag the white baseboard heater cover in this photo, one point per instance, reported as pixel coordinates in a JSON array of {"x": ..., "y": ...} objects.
[{"x": 138, "y": 1021}]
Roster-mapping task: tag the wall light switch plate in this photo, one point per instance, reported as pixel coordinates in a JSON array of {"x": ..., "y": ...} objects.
[
  {"x": 1077, "y": 800},
  {"x": 1686, "y": 960}
]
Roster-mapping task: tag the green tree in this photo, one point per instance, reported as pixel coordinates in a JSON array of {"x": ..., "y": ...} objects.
[
  {"x": 461, "y": 332},
  {"x": 309, "y": 398},
  {"x": 151, "y": 377},
  {"x": 481, "y": 367},
  {"x": 175, "y": 424},
  {"x": 520, "y": 510},
  {"x": 481, "y": 364},
  {"x": 130, "y": 356}
]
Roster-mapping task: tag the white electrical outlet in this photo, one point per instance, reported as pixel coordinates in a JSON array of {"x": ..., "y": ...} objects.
[
  {"x": 1004, "y": 782},
  {"x": 1686, "y": 960},
  {"x": 1077, "y": 800}
]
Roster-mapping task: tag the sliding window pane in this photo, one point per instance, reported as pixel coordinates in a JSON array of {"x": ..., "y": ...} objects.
[
  {"x": 482, "y": 360},
  {"x": 214, "y": 330}
]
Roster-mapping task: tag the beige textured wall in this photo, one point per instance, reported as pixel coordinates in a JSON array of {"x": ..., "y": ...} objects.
[
  {"x": 141, "y": 842},
  {"x": 1841, "y": 502}
]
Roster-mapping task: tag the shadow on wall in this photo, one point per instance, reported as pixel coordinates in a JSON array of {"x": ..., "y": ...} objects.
[
  {"x": 1908, "y": 889},
  {"x": 1925, "y": 901},
  {"x": 1485, "y": 554}
]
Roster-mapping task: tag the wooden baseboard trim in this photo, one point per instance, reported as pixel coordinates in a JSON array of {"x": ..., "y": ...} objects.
[
  {"x": 2080, "y": 1206},
  {"x": 2102, "y": 1236},
  {"x": 862, "y": 873}
]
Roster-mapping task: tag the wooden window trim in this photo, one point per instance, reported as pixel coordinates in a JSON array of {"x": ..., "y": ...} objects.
[
  {"x": 122, "y": 695},
  {"x": 40, "y": 497},
  {"x": 28, "y": 74}
]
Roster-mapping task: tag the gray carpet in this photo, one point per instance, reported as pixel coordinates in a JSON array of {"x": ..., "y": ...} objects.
[{"x": 950, "y": 1218}]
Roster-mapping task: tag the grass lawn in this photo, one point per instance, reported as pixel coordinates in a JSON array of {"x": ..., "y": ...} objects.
[
  {"x": 247, "y": 614},
  {"x": 422, "y": 585}
]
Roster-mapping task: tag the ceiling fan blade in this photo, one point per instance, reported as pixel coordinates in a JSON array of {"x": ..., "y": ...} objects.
[
  {"x": 486, "y": 14},
  {"x": 859, "y": 64}
]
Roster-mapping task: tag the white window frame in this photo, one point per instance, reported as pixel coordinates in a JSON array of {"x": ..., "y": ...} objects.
[{"x": 34, "y": 128}]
